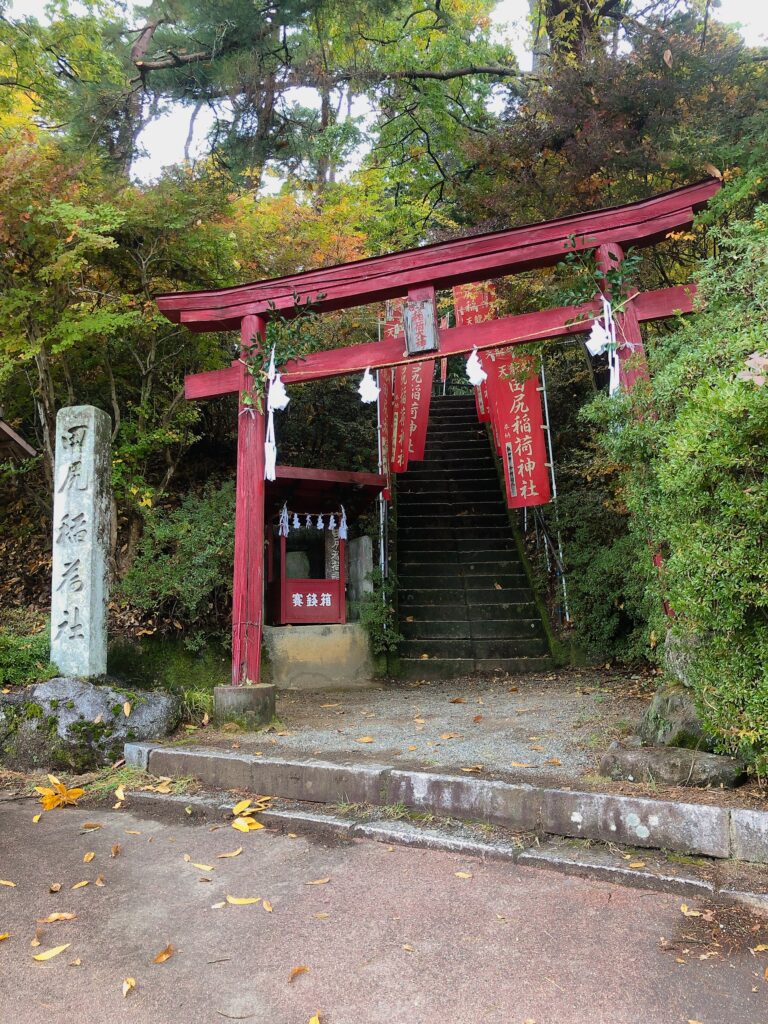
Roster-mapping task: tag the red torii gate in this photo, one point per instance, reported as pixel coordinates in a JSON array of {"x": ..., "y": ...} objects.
[{"x": 414, "y": 273}]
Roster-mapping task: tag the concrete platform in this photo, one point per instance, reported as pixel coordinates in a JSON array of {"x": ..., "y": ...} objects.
[{"x": 318, "y": 657}]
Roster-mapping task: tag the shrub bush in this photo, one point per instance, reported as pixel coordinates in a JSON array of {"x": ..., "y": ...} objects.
[
  {"x": 694, "y": 442},
  {"x": 24, "y": 653},
  {"x": 183, "y": 564}
]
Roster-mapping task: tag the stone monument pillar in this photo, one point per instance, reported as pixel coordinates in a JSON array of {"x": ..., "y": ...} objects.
[{"x": 81, "y": 520}]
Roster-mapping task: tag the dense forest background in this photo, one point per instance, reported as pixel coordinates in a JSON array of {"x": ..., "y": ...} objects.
[{"x": 341, "y": 130}]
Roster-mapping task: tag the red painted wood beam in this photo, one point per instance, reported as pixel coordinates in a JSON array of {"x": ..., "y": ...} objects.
[
  {"x": 248, "y": 579},
  {"x": 443, "y": 264},
  {"x": 509, "y": 330}
]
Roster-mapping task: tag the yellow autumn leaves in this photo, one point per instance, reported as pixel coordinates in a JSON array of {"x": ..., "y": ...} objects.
[
  {"x": 244, "y": 811},
  {"x": 58, "y": 796}
]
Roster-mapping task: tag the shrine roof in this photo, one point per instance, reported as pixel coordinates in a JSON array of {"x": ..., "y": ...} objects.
[
  {"x": 322, "y": 490},
  {"x": 441, "y": 264},
  {"x": 13, "y": 445}
]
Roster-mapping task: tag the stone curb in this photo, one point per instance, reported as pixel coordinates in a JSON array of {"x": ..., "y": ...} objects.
[
  {"x": 595, "y": 865},
  {"x": 689, "y": 828}
]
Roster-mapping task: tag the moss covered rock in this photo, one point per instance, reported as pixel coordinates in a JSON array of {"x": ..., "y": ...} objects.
[{"x": 72, "y": 724}]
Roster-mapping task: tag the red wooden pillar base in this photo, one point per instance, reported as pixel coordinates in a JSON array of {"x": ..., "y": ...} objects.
[{"x": 248, "y": 582}]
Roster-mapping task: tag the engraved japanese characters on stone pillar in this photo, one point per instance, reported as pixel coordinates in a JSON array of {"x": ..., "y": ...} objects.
[{"x": 81, "y": 521}]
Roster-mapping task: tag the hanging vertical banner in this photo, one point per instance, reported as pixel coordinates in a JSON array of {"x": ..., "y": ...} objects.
[
  {"x": 475, "y": 304},
  {"x": 398, "y": 443},
  {"x": 385, "y": 426},
  {"x": 421, "y": 375},
  {"x": 515, "y": 399},
  {"x": 401, "y": 380}
]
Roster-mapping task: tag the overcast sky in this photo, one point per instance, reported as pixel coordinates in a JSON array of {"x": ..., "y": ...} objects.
[{"x": 164, "y": 139}]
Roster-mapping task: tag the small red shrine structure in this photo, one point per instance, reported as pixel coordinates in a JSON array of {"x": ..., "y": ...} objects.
[
  {"x": 413, "y": 276},
  {"x": 312, "y": 495}
]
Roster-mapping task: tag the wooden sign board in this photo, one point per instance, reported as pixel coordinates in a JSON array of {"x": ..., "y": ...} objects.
[{"x": 420, "y": 322}]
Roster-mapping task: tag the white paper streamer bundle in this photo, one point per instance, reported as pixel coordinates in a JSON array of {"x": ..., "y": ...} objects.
[
  {"x": 475, "y": 372},
  {"x": 602, "y": 338},
  {"x": 277, "y": 399},
  {"x": 369, "y": 389}
]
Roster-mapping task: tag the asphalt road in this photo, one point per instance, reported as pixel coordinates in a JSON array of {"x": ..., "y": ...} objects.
[{"x": 394, "y": 936}]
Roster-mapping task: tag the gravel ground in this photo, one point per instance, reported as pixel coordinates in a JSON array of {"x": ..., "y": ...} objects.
[{"x": 560, "y": 723}]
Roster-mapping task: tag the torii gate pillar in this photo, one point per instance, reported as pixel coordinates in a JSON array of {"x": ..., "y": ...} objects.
[{"x": 247, "y": 697}]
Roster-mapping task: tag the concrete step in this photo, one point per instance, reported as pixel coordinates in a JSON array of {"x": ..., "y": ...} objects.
[
  {"x": 457, "y": 595},
  {"x": 479, "y": 520},
  {"x": 463, "y": 647},
  {"x": 446, "y": 629},
  {"x": 415, "y": 554},
  {"x": 460, "y": 506},
  {"x": 424, "y": 611},
  {"x": 456, "y": 575},
  {"x": 486, "y": 629},
  {"x": 462, "y": 545},
  {"x": 451, "y": 668},
  {"x": 415, "y": 566},
  {"x": 443, "y": 490},
  {"x": 456, "y": 533}
]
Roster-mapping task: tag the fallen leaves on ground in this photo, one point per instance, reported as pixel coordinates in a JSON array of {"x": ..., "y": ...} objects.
[
  {"x": 4, "y": 881},
  {"x": 267, "y": 906},
  {"x": 554, "y": 760},
  {"x": 80, "y": 885},
  {"x": 163, "y": 786},
  {"x": 127, "y": 708},
  {"x": 318, "y": 881},
  {"x": 520, "y": 764},
  {"x": 686, "y": 910},
  {"x": 450, "y": 735},
  {"x": 477, "y": 718},
  {"x": 164, "y": 954},
  {"x": 52, "y": 918},
  {"x": 88, "y": 857},
  {"x": 463, "y": 874},
  {"x": 115, "y": 850},
  {"x": 232, "y": 853},
  {"x": 120, "y": 794},
  {"x": 473, "y": 768},
  {"x": 408, "y": 948},
  {"x": 100, "y": 881},
  {"x": 315, "y": 1019},
  {"x": 128, "y": 984},
  {"x": 457, "y": 700},
  {"x": 90, "y": 826},
  {"x": 301, "y": 969},
  {"x": 364, "y": 739},
  {"x": 54, "y": 887},
  {"x": 59, "y": 796},
  {"x": 242, "y": 901},
  {"x": 244, "y": 811},
  {"x": 203, "y": 867},
  {"x": 246, "y": 824},
  {"x": 49, "y": 954},
  {"x": 637, "y": 864}
]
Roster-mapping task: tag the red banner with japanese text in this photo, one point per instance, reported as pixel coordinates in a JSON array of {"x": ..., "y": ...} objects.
[
  {"x": 518, "y": 419},
  {"x": 475, "y": 304},
  {"x": 385, "y": 427},
  {"x": 420, "y": 383},
  {"x": 399, "y": 439}
]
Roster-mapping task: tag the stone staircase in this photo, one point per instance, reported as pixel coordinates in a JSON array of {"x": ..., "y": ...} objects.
[{"x": 464, "y": 598}]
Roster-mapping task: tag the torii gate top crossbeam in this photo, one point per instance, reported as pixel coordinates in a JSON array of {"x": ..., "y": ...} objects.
[{"x": 441, "y": 265}]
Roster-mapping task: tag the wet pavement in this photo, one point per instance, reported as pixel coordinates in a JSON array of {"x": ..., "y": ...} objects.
[{"x": 389, "y": 935}]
